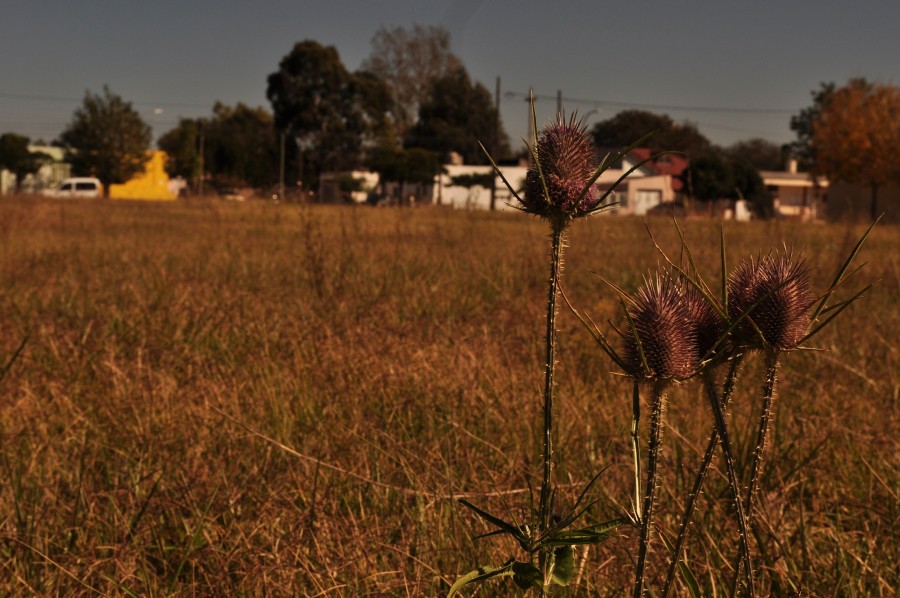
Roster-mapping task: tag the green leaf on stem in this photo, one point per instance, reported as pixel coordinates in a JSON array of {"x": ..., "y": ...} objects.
[
  {"x": 564, "y": 571},
  {"x": 482, "y": 574},
  {"x": 687, "y": 576}
]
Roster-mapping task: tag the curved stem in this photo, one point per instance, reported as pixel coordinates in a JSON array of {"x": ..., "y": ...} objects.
[
  {"x": 636, "y": 449},
  {"x": 656, "y": 416},
  {"x": 765, "y": 419},
  {"x": 556, "y": 252},
  {"x": 744, "y": 550},
  {"x": 691, "y": 506}
]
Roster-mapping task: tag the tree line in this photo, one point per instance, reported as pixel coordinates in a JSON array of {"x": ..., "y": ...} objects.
[{"x": 412, "y": 102}]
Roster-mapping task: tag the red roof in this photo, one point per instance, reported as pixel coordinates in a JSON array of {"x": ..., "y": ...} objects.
[{"x": 673, "y": 164}]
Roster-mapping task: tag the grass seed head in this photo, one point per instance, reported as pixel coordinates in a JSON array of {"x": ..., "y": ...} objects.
[
  {"x": 780, "y": 284},
  {"x": 662, "y": 320},
  {"x": 568, "y": 160}
]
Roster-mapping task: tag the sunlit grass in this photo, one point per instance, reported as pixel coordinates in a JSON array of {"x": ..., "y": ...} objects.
[{"x": 388, "y": 348}]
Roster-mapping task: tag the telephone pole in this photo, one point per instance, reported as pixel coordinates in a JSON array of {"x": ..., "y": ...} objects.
[{"x": 495, "y": 143}]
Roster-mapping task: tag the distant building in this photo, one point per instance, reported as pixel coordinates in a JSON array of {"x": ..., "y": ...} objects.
[
  {"x": 353, "y": 186},
  {"x": 797, "y": 195},
  {"x": 49, "y": 175},
  {"x": 656, "y": 181},
  {"x": 152, "y": 184},
  {"x": 647, "y": 186}
]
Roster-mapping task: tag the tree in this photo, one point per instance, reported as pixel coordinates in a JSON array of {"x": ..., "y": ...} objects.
[
  {"x": 409, "y": 61},
  {"x": 17, "y": 158},
  {"x": 396, "y": 165},
  {"x": 182, "y": 146},
  {"x": 714, "y": 176},
  {"x": 761, "y": 154},
  {"x": 855, "y": 136},
  {"x": 710, "y": 177},
  {"x": 107, "y": 138},
  {"x": 455, "y": 116},
  {"x": 803, "y": 123},
  {"x": 241, "y": 144},
  {"x": 325, "y": 108},
  {"x": 749, "y": 185},
  {"x": 628, "y": 126}
]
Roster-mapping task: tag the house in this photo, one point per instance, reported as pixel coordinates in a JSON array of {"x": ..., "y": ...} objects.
[
  {"x": 648, "y": 185},
  {"x": 49, "y": 175},
  {"x": 798, "y": 195},
  {"x": 152, "y": 184},
  {"x": 656, "y": 181},
  {"x": 467, "y": 187},
  {"x": 354, "y": 186}
]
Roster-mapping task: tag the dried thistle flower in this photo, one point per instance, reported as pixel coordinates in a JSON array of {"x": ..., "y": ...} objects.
[
  {"x": 707, "y": 324},
  {"x": 779, "y": 286},
  {"x": 663, "y": 323},
  {"x": 568, "y": 161}
]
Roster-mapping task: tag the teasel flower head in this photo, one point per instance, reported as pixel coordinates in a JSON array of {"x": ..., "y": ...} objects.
[
  {"x": 662, "y": 321},
  {"x": 708, "y": 325},
  {"x": 568, "y": 160},
  {"x": 773, "y": 295}
]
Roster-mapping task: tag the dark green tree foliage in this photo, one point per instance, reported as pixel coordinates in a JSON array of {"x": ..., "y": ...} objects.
[
  {"x": 397, "y": 165},
  {"x": 17, "y": 158},
  {"x": 710, "y": 177},
  {"x": 627, "y": 126},
  {"x": 759, "y": 153},
  {"x": 455, "y": 116},
  {"x": 241, "y": 145},
  {"x": 749, "y": 185},
  {"x": 331, "y": 112},
  {"x": 714, "y": 176},
  {"x": 803, "y": 125},
  {"x": 182, "y": 145},
  {"x": 107, "y": 138}
]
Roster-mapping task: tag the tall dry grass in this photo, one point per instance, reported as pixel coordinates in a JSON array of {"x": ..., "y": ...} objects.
[{"x": 174, "y": 353}]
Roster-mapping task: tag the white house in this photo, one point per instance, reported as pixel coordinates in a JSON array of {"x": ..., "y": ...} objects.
[
  {"x": 642, "y": 190},
  {"x": 798, "y": 195},
  {"x": 49, "y": 175}
]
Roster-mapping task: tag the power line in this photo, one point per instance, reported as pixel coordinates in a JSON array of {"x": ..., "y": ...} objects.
[
  {"x": 49, "y": 98},
  {"x": 667, "y": 107}
]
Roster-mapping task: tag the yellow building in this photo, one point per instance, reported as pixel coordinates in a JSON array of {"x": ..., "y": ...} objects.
[{"x": 152, "y": 184}]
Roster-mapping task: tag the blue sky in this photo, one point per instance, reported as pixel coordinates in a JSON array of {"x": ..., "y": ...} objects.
[{"x": 737, "y": 69}]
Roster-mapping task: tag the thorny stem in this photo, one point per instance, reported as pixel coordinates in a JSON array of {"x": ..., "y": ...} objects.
[
  {"x": 765, "y": 419},
  {"x": 744, "y": 550},
  {"x": 636, "y": 447},
  {"x": 727, "y": 390},
  {"x": 656, "y": 416},
  {"x": 556, "y": 251}
]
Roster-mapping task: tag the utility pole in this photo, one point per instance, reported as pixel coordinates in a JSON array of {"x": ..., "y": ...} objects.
[
  {"x": 202, "y": 162},
  {"x": 559, "y": 102},
  {"x": 529, "y": 119},
  {"x": 281, "y": 171},
  {"x": 495, "y": 142}
]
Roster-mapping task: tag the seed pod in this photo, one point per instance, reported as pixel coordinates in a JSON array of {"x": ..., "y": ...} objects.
[
  {"x": 780, "y": 285},
  {"x": 568, "y": 160},
  {"x": 662, "y": 320}
]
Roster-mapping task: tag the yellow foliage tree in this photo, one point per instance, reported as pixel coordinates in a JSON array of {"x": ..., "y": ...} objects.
[{"x": 856, "y": 136}]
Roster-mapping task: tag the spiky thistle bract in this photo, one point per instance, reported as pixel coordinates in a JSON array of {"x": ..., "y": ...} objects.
[{"x": 772, "y": 293}]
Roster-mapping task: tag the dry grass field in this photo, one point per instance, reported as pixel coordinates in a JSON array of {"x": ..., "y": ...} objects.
[{"x": 220, "y": 399}]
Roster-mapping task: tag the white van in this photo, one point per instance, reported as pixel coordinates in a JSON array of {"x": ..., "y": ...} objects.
[{"x": 77, "y": 187}]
